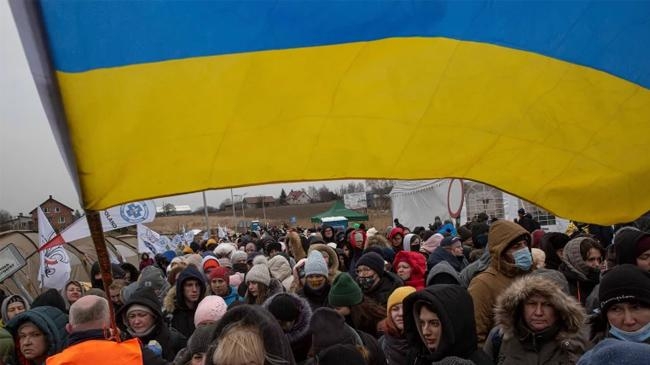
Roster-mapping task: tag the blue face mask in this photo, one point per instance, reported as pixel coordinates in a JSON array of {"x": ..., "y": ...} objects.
[
  {"x": 523, "y": 258},
  {"x": 638, "y": 336}
]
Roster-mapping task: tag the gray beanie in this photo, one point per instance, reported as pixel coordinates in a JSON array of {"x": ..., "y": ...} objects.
[
  {"x": 238, "y": 256},
  {"x": 316, "y": 264},
  {"x": 259, "y": 273}
]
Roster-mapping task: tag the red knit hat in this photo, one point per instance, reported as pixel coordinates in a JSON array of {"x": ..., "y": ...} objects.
[{"x": 221, "y": 273}]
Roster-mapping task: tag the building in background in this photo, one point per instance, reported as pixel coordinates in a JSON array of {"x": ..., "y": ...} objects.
[
  {"x": 59, "y": 214},
  {"x": 298, "y": 197}
]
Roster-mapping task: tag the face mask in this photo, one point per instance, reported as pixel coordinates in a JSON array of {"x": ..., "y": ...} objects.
[
  {"x": 638, "y": 336},
  {"x": 366, "y": 283},
  {"x": 523, "y": 259}
]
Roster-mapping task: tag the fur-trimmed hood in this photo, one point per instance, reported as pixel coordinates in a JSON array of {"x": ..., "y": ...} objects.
[
  {"x": 300, "y": 327},
  {"x": 507, "y": 313},
  {"x": 333, "y": 259},
  {"x": 169, "y": 302},
  {"x": 279, "y": 267}
]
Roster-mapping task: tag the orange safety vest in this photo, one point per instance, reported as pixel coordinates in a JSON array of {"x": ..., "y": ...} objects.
[{"x": 99, "y": 352}]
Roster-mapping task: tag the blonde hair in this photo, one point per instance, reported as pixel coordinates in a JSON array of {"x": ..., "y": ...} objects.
[
  {"x": 539, "y": 258},
  {"x": 240, "y": 344}
]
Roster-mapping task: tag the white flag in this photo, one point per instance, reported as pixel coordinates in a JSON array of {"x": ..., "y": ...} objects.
[
  {"x": 54, "y": 270},
  {"x": 114, "y": 218},
  {"x": 177, "y": 240},
  {"x": 166, "y": 243},
  {"x": 149, "y": 241},
  {"x": 222, "y": 232}
]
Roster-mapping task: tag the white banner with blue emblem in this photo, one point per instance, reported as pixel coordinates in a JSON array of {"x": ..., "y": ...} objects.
[{"x": 121, "y": 216}]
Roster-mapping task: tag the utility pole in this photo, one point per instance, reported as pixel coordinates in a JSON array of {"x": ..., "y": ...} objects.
[
  {"x": 263, "y": 209},
  {"x": 232, "y": 201},
  {"x": 205, "y": 211}
]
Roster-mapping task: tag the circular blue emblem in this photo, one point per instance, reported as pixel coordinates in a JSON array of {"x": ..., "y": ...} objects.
[{"x": 135, "y": 212}]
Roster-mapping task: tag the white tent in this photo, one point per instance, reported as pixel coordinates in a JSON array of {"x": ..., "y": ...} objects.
[
  {"x": 418, "y": 202},
  {"x": 81, "y": 252}
]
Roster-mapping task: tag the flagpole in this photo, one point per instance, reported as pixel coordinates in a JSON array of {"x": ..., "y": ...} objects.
[
  {"x": 205, "y": 211},
  {"x": 97, "y": 233},
  {"x": 234, "y": 216}
]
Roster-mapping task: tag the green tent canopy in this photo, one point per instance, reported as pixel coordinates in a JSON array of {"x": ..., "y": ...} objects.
[{"x": 338, "y": 209}]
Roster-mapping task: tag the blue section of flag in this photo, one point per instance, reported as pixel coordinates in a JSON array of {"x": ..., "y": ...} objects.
[{"x": 86, "y": 35}]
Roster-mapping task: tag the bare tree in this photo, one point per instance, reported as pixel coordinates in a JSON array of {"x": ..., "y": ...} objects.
[
  {"x": 5, "y": 217},
  {"x": 313, "y": 193}
]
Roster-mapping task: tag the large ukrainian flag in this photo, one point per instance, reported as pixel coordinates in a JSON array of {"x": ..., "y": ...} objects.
[{"x": 548, "y": 100}]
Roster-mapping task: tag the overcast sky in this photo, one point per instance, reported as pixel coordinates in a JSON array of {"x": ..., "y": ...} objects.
[{"x": 31, "y": 167}]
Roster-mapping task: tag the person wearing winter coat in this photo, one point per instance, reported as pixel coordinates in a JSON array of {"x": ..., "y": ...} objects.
[
  {"x": 410, "y": 267},
  {"x": 439, "y": 327},
  {"x": 393, "y": 343},
  {"x": 581, "y": 266},
  {"x": 52, "y": 298},
  {"x": 89, "y": 341},
  {"x": 145, "y": 261},
  {"x": 625, "y": 303},
  {"x": 259, "y": 285},
  {"x": 328, "y": 328},
  {"x": 430, "y": 244},
  {"x": 182, "y": 299},
  {"x": 331, "y": 258},
  {"x": 72, "y": 291},
  {"x": 38, "y": 333},
  {"x": 632, "y": 246},
  {"x": 553, "y": 244},
  {"x": 219, "y": 281},
  {"x": 537, "y": 323},
  {"x": 374, "y": 281},
  {"x": 249, "y": 334},
  {"x": 141, "y": 317},
  {"x": 451, "y": 251},
  {"x": 443, "y": 273},
  {"x": 281, "y": 270},
  {"x": 12, "y": 306},
  {"x": 510, "y": 258},
  {"x": 293, "y": 313},
  {"x": 359, "y": 311},
  {"x": 412, "y": 242},
  {"x": 197, "y": 346},
  {"x": 317, "y": 285}
]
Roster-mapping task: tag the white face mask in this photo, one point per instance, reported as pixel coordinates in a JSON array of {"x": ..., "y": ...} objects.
[{"x": 638, "y": 336}]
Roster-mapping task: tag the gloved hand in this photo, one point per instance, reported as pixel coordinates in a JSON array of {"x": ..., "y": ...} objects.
[{"x": 155, "y": 347}]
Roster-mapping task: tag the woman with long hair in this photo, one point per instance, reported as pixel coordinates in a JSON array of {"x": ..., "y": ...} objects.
[
  {"x": 259, "y": 285},
  {"x": 393, "y": 342},
  {"x": 360, "y": 312}
]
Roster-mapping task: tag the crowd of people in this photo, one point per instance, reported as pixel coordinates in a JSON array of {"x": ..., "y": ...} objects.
[{"x": 488, "y": 292}]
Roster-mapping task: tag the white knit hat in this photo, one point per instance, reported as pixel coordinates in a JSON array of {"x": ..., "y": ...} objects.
[
  {"x": 316, "y": 264},
  {"x": 259, "y": 273}
]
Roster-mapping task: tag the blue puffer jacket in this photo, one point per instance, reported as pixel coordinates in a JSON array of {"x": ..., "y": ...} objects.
[{"x": 48, "y": 319}]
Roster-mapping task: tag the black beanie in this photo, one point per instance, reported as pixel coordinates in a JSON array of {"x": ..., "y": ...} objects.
[
  {"x": 284, "y": 308},
  {"x": 624, "y": 283},
  {"x": 201, "y": 339},
  {"x": 328, "y": 328},
  {"x": 374, "y": 261},
  {"x": 340, "y": 355}
]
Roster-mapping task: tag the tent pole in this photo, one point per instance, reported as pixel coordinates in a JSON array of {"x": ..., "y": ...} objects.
[
  {"x": 97, "y": 233},
  {"x": 20, "y": 286}
]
